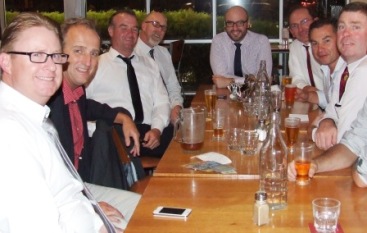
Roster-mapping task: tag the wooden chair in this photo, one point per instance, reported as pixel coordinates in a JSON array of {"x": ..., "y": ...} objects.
[{"x": 141, "y": 184}]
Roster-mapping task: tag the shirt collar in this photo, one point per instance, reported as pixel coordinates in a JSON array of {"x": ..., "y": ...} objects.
[
  {"x": 113, "y": 55},
  {"x": 71, "y": 95},
  {"x": 142, "y": 47},
  {"x": 23, "y": 104}
]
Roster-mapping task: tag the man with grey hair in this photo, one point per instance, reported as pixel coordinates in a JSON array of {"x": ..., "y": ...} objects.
[{"x": 153, "y": 29}]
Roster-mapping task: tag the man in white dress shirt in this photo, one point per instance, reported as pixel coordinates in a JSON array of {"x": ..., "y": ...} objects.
[
  {"x": 111, "y": 86},
  {"x": 307, "y": 76},
  {"x": 323, "y": 44},
  {"x": 344, "y": 106},
  {"x": 153, "y": 29},
  {"x": 38, "y": 192},
  {"x": 254, "y": 48}
]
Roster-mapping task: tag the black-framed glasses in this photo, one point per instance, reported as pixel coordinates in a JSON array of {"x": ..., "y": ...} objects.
[
  {"x": 295, "y": 26},
  {"x": 156, "y": 24},
  {"x": 41, "y": 57},
  {"x": 240, "y": 23}
]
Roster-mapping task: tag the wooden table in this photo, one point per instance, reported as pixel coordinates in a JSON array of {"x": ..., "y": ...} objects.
[
  {"x": 226, "y": 205},
  {"x": 174, "y": 160}
]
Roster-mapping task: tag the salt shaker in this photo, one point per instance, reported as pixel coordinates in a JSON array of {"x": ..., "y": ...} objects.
[{"x": 261, "y": 209}]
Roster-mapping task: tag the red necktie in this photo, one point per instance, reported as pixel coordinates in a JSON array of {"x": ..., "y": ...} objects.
[
  {"x": 343, "y": 82},
  {"x": 309, "y": 68}
]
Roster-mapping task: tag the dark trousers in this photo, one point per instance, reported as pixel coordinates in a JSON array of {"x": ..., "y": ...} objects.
[{"x": 165, "y": 140}]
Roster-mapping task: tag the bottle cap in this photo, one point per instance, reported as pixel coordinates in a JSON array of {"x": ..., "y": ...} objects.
[{"x": 261, "y": 196}]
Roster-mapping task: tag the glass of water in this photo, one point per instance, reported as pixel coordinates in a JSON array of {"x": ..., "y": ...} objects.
[{"x": 325, "y": 213}]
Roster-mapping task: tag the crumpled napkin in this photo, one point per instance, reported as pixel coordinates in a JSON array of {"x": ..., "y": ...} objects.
[{"x": 214, "y": 156}]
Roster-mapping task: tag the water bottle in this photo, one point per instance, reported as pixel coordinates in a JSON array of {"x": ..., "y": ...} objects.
[{"x": 273, "y": 166}]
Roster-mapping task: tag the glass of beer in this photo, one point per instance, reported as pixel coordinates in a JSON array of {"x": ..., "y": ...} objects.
[
  {"x": 219, "y": 119},
  {"x": 292, "y": 125},
  {"x": 302, "y": 160},
  {"x": 210, "y": 100},
  {"x": 290, "y": 94},
  {"x": 286, "y": 80}
]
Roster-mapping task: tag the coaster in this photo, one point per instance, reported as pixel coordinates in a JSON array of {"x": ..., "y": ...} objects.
[{"x": 339, "y": 229}]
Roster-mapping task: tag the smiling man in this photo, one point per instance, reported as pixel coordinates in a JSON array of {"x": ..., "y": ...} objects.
[
  {"x": 324, "y": 49},
  {"x": 237, "y": 52},
  {"x": 153, "y": 29}
]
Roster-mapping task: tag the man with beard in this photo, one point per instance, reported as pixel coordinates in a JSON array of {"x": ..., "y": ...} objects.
[
  {"x": 237, "y": 52},
  {"x": 152, "y": 32}
]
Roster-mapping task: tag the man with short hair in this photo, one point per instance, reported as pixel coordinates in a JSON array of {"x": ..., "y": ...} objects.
[
  {"x": 148, "y": 101},
  {"x": 322, "y": 34},
  {"x": 352, "y": 44},
  {"x": 237, "y": 52},
  {"x": 303, "y": 68},
  {"x": 70, "y": 111},
  {"x": 153, "y": 29},
  {"x": 39, "y": 193}
]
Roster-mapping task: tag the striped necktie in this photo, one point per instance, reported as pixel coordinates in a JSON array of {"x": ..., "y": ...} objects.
[
  {"x": 50, "y": 129},
  {"x": 309, "y": 67},
  {"x": 343, "y": 82}
]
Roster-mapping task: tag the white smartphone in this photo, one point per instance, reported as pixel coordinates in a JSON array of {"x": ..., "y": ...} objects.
[{"x": 171, "y": 212}]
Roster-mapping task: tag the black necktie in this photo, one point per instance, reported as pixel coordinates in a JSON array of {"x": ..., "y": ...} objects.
[
  {"x": 50, "y": 129},
  {"x": 237, "y": 61},
  {"x": 134, "y": 90},
  {"x": 309, "y": 68},
  {"x": 151, "y": 52}
]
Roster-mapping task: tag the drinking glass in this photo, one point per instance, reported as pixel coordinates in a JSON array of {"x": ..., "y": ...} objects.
[
  {"x": 233, "y": 136},
  {"x": 290, "y": 94},
  {"x": 292, "y": 125},
  {"x": 249, "y": 142},
  {"x": 302, "y": 158},
  {"x": 276, "y": 100},
  {"x": 285, "y": 80},
  {"x": 325, "y": 213},
  {"x": 219, "y": 120},
  {"x": 210, "y": 100}
]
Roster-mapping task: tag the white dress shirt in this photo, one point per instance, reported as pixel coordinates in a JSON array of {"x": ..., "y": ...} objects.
[
  {"x": 164, "y": 61},
  {"x": 38, "y": 193},
  {"x": 110, "y": 85},
  {"x": 325, "y": 94},
  {"x": 298, "y": 66},
  {"x": 345, "y": 111},
  {"x": 254, "y": 48}
]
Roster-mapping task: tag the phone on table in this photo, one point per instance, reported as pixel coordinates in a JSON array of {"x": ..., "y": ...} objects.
[{"x": 171, "y": 212}]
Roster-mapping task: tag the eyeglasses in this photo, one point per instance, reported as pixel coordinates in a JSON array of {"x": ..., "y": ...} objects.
[
  {"x": 240, "y": 23},
  {"x": 295, "y": 26},
  {"x": 41, "y": 57},
  {"x": 156, "y": 24}
]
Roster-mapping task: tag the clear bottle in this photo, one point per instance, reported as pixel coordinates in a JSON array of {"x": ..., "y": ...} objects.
[
  {"x": 263, "y": 80},
  {"x": 261, "y": 209},
  {"x": 273, "y": 166}
]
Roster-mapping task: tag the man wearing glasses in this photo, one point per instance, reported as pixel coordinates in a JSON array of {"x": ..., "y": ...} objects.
[
  {"x": 303, "y": 68},
  {"x": 237, "y": 52},
  {"x": 152, "y": 32}
]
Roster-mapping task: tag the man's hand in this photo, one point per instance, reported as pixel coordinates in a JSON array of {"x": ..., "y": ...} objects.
[
  {"x": 221, "y": 81},
  {"x": 130, "y": 131},
  {"x": 326, "y": 135},
  {"x": 112, "y": 214},
  {"x": 152, "y": 139},
  {"x": 307, "y": 94},
  {"x": 292, "y": 173},
  {"x": 175, "y": 114}
]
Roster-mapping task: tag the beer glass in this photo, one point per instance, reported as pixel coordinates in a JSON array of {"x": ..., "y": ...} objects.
[
  {"x": 292, "y": 125},
  {"x": 302, "y": 160},
  {"x": 290, "y": 94},
  {"x": 210, "y": 100},
  {"x": 219, "y": 120}
]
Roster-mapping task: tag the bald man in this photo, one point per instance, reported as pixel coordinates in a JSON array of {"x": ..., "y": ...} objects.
[
  {"x": 253, "y": 48},
  {"x": 153, "y": 30}
]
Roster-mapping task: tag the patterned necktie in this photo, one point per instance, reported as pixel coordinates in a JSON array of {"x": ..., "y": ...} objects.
[
  {"x": 134, "y": 90},
  {"x": 309, "y": 68},
  {"x": 50, "y": 129},
  {"x": 151, "y": 52},
  {"x": 343, "y": 82},
  {"x": 237, "y": 60}
]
